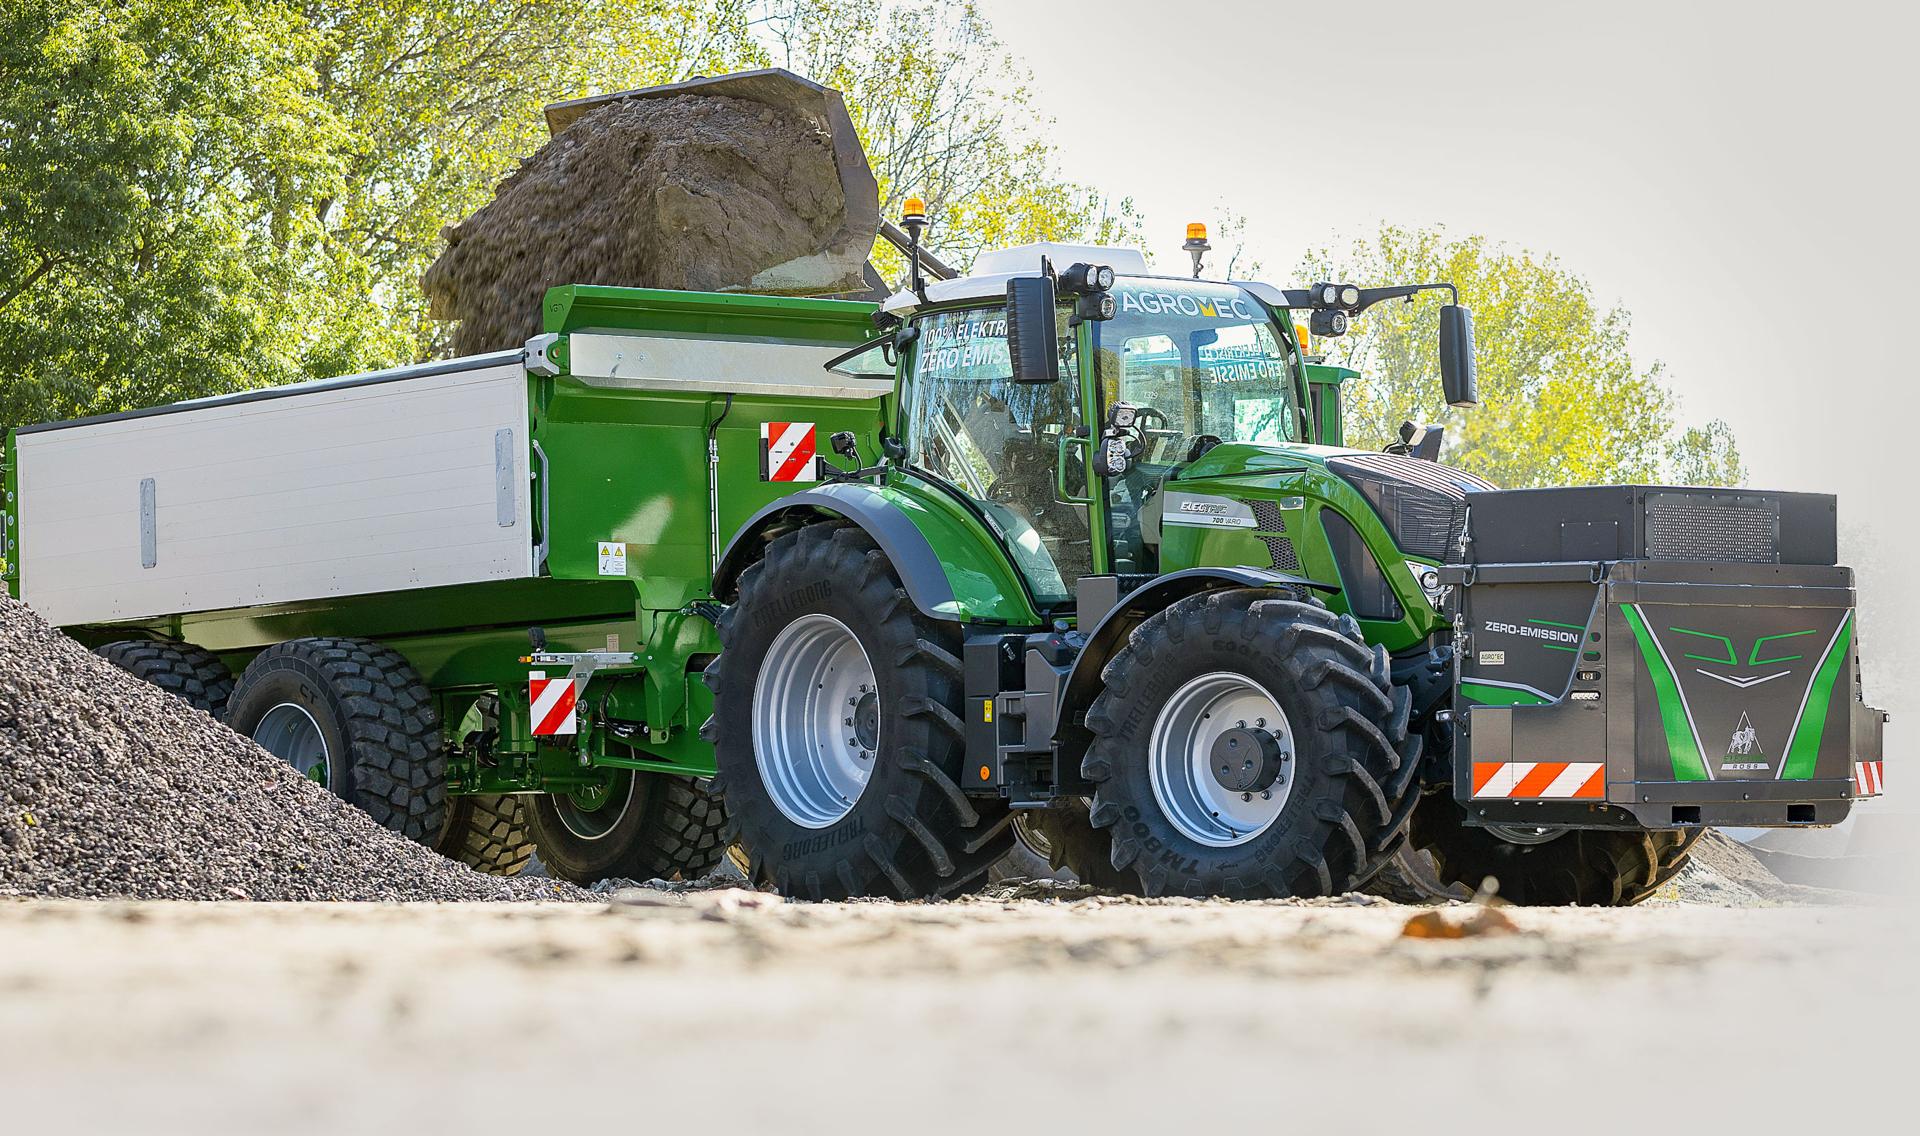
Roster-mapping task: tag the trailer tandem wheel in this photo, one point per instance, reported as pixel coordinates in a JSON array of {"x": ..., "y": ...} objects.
[
  {"x": 835, "y": 731},
  {"x": 354, "y": 716},
  {"x": 488, "y": 831},
  {"x": 181, "y": 669},
  {"x": 636, "y": 826}
]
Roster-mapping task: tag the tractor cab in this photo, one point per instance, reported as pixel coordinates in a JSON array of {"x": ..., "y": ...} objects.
[{"x": 1067, "y": 456}]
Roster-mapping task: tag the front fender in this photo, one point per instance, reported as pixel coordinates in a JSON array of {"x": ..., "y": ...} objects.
[
  {"x": 1110, "y": 634},
  {"x": 951, "y": 569}
]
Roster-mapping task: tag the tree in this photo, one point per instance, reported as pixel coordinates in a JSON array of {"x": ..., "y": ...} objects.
[
  {"x": 1562, "y": 400},
  {"x": 157, "y": 163},
  {"x": 946, "y": 115}
]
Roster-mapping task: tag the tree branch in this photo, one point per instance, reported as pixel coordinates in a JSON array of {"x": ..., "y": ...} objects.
[{"x": 48, "y": 262}]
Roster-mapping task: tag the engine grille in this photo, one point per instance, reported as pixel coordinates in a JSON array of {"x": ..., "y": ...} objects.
[
  {"x": 1423, "y": 503},
  {"x": 1704, "y": 526}
]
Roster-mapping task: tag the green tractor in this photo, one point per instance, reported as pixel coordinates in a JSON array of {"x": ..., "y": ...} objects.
[{"x": 1107, "y": 577}]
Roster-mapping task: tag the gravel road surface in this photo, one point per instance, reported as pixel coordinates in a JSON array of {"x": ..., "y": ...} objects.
[{"x": 726, "y": 1011}]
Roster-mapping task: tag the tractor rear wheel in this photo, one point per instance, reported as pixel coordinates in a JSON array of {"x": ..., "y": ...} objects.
[
  {"x": 181, "y": 669},
  {"x": 355, "y": 717},
  {"x": 635, "y": 826},
  {"x": 837, "y": 732},
  {"x": 1250, "y": 746},
  {"x": 1547, "y": 867}
]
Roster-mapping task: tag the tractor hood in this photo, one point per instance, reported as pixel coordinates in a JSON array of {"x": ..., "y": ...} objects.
[{"x": 1422, "y": 503}]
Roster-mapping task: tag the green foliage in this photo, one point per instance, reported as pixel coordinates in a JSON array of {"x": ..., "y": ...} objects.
[
  {"x": 158, "y": 160},
  {"x": 197, "y": 197},
  {"x": 1562, "y": 401},
  {"x": 944, "y": 114}
]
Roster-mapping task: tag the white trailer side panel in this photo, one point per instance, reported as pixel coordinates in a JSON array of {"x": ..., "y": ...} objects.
[{"x": 346, "y": 487}]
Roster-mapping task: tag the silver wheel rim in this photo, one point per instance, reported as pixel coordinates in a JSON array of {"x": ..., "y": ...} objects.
[
  {"x": 1519, "y": 834},
  {"x": 1181, "y": 752},
  {"x": 815, "y": 721},
  {"x": 289, "y": 733},
  {"x": 594, "y": 824}
]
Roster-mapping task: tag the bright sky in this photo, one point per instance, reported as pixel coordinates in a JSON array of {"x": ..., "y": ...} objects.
[
  {"x": 1738, "y": 176},
  {"x": 1741, "y": 177}
]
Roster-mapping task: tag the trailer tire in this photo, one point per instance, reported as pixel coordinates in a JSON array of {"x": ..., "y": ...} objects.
[
  {"x": 824, "y": 601},
  {"x": 1579, "y": 867},
  {"x": 490, "y": 832},
  {"x": 190, "y": 673},
  {"x": 651, "y": 826},
  {"x": 356, "y": 716},
  {"x": 1347, "y": 781}
]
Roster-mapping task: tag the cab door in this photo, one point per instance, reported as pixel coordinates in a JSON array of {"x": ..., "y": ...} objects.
[{"x": 1009, "y": 448}]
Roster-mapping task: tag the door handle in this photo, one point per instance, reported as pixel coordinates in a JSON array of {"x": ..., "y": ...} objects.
[{"x": 1060, "y": 490}]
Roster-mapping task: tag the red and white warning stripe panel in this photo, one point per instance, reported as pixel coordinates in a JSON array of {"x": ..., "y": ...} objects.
[
  {"x": 553, "y": 700},
  {"x": 1539, "y": 780},
  {"x": 787, "y": 452},
  {"x": 1869, "y": 779}
]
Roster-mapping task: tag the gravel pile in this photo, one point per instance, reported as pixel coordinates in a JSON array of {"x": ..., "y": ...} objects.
[
  {"x": 696, "y": 192},
  {"x": 110, "y": 787}
]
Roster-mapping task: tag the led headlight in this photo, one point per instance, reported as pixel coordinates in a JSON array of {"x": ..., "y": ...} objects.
[{"x": 1428, "y": 577}]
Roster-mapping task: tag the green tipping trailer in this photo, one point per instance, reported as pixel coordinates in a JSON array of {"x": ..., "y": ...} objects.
[
  {"x": 1061, "y": 550},
  {"x": 411, "y": 526}
]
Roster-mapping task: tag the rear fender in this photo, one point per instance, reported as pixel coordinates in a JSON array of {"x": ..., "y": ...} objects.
[{"x": 969, "y": 579}]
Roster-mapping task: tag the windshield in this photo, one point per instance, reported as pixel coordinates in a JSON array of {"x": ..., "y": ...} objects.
[{"x": 1206, "y": 357}]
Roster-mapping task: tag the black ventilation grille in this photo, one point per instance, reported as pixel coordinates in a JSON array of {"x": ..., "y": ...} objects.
[
  {"x": 1281, "y": 550},
  {"x": 1422, "y": 502},
  {"x": 1268, "y": 518},
  {"x": 1700, "y": 526}
]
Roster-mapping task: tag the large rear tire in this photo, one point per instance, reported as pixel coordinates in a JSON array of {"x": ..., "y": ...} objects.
[
  {"x": 837, "y": 732},
  {"x": 1584, "y": 867},
  {"x": 1250, "y": 746},
  {"x": 639, "y": 826},
  {"x": 354, "y": 716},
  {"x": 190, "y": 673}
]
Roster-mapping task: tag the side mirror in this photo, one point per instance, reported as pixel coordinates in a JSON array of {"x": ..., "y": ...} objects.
[
  {"x": 1456, "y": 356},
  {"x": 1032, "y": 333}
]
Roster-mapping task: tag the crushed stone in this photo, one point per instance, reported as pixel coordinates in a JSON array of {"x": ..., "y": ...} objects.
[{"x": 112, "y": 788}]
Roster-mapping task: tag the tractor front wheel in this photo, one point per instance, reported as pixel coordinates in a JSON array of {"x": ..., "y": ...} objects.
[
  {"x": 1549, "y": 867},
  {"x": 1250, "y": 745},
  {"x": 836, "y": 729}
]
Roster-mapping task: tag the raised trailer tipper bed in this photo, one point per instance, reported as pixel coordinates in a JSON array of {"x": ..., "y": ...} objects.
[{"x": 1061, "y": 550}]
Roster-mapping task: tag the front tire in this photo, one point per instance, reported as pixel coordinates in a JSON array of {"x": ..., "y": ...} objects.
[
  {"x": 836, "y": 730},
  {"x": 1572, "y": 867},
  {"x": 1250, "y": 746}
]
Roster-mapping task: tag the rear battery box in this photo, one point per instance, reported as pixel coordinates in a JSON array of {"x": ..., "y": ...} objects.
[{"x": 1655, "y": 657}]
